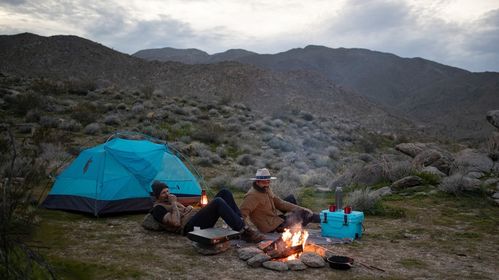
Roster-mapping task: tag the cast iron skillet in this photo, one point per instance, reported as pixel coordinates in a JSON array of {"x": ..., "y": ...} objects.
[{"x": 340, "y": 262}]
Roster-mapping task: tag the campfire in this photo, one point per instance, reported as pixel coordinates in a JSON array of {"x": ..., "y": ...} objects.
[{"x": 289, "y": 246}]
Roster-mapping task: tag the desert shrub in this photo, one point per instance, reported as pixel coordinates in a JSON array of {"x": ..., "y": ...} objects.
[
  {"x": 283, "y": 188},
  {"x": 363, "y": 200},
  {"x": 242, "y": 183},
  {"x": 112, "y": 120},
  {"x": 307, "y": 116},
  {"x": 458, "y": 184},
  {"x": 22, "y": 103},
  {"x": 219, "y": 182},
  {"x": 318, "y": 177},
  {"x": 245, "y": 160},
  {"x": 70, "y": 125},
  {"x": 210, "y": 133},
  {"x": 49, "y": 122},
  {"x": 32, "y": 116},
  {"x": 80, "y": 87},
  {"x": 395, "y": 170},
  {"x": 320, "y": 160},
  {"x": 45, "y": 86},
  {"x": 18, "y": 260},
  {"x": 280, "y": 144},
  {"x": 121, "y": 106},
  {"x": 291, "y": 175},
  {"x": 138, "y": 108},
  {"x": 85, "y": 113},
  {"x": 92, "y": 129},
  {"x": 428, "y": 178}
]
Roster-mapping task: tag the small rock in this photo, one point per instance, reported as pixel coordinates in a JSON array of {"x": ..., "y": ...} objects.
[
  {"x": 496, "y": 195},
  {"x": 248, "y": 252},
  {"x": 406, "y": 182},
  {"x": 278, "y": 266},
  {"x": 312, "y": 260},
  {"x": 211, "y": 249},
  {"x": 296, "y": 265},
  {"x": 258, "y": 260}
]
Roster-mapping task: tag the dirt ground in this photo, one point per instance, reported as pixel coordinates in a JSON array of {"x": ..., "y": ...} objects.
[{"x": 431, "y": 242}]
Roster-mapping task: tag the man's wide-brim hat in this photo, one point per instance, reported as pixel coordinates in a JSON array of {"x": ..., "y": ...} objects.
[{"x": 263, "y": 174}]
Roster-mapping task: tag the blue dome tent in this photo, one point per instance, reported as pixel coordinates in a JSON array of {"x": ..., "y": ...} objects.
[{"x": 116, "y": 177}]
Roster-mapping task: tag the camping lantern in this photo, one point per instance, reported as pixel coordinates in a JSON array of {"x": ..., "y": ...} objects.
[{"x": 204, "y": 198}]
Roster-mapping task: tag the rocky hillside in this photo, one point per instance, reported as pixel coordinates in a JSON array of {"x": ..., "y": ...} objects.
[
  {"x": 452, "y": 101},
  {"x": 70, "y": 58}
]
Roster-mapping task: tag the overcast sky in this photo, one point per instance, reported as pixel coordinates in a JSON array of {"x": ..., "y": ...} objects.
[{"x": 461, "y": 33}]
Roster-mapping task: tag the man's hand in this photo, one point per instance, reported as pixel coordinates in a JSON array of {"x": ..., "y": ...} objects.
[{"x": 172, "y": 198}]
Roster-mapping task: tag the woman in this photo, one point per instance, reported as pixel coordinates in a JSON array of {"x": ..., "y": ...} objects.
[{"x": 177, "y": 218}]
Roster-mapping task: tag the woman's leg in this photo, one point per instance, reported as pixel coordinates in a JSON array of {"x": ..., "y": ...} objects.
[{"x": 208, "y": 216}]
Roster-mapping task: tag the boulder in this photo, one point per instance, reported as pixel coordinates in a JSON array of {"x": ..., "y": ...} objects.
[
  {"x": 296, "y": 265},
  {"x": 475, "y": 175},
  {"x": 493, "y": 118},
  {"x": 470, "y": 160},
  {"x": 410, "y": 149},
  {"x": 277, "y": 266},
  {"x": 312, "y": 260},
  {"x": 258, "y": 260},
  {"x": 382, "y": 192},
  {"x": 218, "y": 248},
  {"x": 407, "y": 182},
  {"x": 433, "y": 171},
  {"x": 248, "y": 252},
  {"x": 369, "y": 174},
  {"x": 496, "y": 195},
  {"x": 426, "y": 158},
  {"x": 493, "y": 146}
]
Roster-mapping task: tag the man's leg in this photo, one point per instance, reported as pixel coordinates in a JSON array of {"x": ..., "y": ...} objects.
[
  {"x": 226, "y": 195},
  {"x": 208, "y": 216}
]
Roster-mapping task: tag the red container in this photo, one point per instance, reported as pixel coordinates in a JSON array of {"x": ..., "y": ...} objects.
[
  {"x": 332, "y": 208},
  {"x": 347, "y": 210}
]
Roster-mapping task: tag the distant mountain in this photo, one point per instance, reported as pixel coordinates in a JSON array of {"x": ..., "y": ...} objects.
[
  {"x": 451, "y": 100},
  {"x": 74, "y": 58},
  {"x": 191, "y": 56}
]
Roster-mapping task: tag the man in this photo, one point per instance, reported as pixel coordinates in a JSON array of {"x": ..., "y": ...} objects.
[
  {"x": 261, "y": 206},
  {"x": 177, "y": 218}
]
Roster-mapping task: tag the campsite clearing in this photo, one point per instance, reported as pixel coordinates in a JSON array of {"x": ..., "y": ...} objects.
[{"x": 440, "y": 237}]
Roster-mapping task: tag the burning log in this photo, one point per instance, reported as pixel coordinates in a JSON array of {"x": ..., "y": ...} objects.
[
  {"x": 289, "y": 245},
  {"x": 278, "y": 249}
]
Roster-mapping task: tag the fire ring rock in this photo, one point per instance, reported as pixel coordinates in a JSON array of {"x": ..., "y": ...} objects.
[
  {"x": 312, "y": 260},
  {"x": 257, "y": 260},
  {"x": 248, "y": 252},
  {"x": 296, "y": 265},
  {"x": 278, "y": 266}
]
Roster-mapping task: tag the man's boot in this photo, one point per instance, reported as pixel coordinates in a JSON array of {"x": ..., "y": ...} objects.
[{"x": 252, "y": 236}]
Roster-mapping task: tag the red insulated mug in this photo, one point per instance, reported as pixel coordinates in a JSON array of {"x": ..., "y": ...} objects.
[
  {"x": 348, "y": 210},
  {"x": 332, "y": 208}
]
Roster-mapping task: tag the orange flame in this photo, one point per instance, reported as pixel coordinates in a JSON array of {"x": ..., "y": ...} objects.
[{"x": 296, "y": 236}]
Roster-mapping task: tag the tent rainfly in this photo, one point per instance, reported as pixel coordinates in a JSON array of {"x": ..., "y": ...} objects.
[{"x": 115, "y": 177}]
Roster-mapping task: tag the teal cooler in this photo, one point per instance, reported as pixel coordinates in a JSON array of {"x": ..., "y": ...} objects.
[{"x": 340, "y": 225}]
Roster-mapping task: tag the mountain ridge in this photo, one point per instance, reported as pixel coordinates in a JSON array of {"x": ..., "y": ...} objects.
[{"x": 422, "y": 90}]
